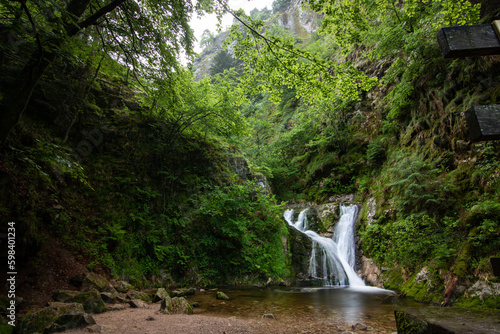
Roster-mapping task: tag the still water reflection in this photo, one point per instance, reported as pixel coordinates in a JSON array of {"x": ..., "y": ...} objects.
[{"x": 369, "y": 306}]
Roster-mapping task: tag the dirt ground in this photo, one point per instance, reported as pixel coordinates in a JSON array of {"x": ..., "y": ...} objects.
[{"x": 151, "y": 321}]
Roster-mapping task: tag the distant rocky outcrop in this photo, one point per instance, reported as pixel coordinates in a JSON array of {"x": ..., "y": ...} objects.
[{"x": 293, "y": 18}]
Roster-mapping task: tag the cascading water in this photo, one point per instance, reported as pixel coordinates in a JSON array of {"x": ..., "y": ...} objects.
[{"x": 333, "y": 258}]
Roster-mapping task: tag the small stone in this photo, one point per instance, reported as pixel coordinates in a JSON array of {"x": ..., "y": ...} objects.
[
  {"x": 269, "y": 316},
  {"x": 150, "y": 318},
  {"x": 195, "y": 304},
  {"x": 359, "y": 327}
]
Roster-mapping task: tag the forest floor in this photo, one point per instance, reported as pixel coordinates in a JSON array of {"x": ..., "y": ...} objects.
[{"x": 151, "y": 321}]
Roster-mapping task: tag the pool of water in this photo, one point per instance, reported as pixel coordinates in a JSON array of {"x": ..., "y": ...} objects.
[{"x": 371, "y": 307}]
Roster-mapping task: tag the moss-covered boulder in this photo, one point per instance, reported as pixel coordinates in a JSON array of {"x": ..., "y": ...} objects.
[
  {"x": 145, "y": 297},
  {"x": 160, "y": 294},
  {"x": 176, "y": 305},
  {"x": 108, "y": 297},
  {"x": 222, "y": 296},
  {"x": 122, "y": 286},
  {"x": 91, "y": 300},
  {"x": 57, "y": 317},
  {"x": 94, "y": 281}
]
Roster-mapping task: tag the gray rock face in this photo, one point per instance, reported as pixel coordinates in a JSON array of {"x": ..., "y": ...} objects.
[
  {"x": 56, "y": 317},
  {"x": 482, "y": 289},
  {"x": 370, "y": 272}
]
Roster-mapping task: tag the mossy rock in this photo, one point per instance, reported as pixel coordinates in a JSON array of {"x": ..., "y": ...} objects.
[
  {"x": 91, "y": 300},
  {"x": 122, "y": 286},
  {"x": 94, "y": 281},
  {"x": 176, "y": 305},
  {"x": 64, "y": 295},
  {"x": 183, "y": 292},
  {"x": 55, "y": 318},
  {"x": 222, "y": 296},
  {"x": 160, "y": 294},
  {"x": 145, "y": 297}
]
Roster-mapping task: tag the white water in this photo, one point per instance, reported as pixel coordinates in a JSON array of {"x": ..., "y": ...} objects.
[{"x": 336, "y": 254}]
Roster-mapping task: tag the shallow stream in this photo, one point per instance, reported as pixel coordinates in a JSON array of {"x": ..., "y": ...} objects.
[{"x": 327, "y": 306}]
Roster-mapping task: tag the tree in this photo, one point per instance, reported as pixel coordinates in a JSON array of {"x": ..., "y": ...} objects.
[
  {"x": 208, "y": 106},
  {"x": 154, "y": 31},
  {"x": 223, "y": 61},
  {"x": 207, "y": 39}
]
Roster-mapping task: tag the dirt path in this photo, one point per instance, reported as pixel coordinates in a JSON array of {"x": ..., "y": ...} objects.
[{"x": 151, "y": 321}]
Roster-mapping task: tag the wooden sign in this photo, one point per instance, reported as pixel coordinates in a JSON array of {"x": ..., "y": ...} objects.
[
  {"x": 466, "y": 41},
  {"x": 484, "y": 122}
]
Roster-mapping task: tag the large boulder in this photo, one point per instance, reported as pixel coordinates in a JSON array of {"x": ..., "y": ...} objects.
[
  {"x": 57, "y": 317},
  {"x": 94, "y": 281},
  {"x": 175, "y": 305},
  {"x": 91, "y": 300}
]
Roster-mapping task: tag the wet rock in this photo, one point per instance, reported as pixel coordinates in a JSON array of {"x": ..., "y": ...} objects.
[
  {"x": 370, "y": 272},
  {"x": 221, "y": 295},
  {"x": 183, "y": 292},
  {"x": 176, "y": 305},
  {"x": 446, "y": 320},
  {"x": 359, "y": 327},
  {"x": 57, "y": 317},
  {"x": 94, "y": 281},
  {"x": 195, "y": 304}
]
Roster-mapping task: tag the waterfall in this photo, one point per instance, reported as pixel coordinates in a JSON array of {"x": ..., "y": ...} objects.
[{"x": 333, "y": 258}]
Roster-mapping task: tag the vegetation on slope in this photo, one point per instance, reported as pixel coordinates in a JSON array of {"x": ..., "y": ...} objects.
[{"x": 126, "y": 161}]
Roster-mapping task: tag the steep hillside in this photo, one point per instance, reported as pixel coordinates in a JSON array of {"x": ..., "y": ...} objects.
[{"x": 429, "y": 195}]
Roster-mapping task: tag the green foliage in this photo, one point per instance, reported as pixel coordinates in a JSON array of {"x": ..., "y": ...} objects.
[
  {"x": 240, "y": 233},
  {"x": 418, "y": 186},
  {"x": 272, "y": 61},
  {"x": 223, "y": 61},
  {"x": 410, "y": 242}
]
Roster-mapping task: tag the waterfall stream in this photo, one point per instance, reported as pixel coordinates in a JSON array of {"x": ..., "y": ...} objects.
[{"x": 332, "y": 259}]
